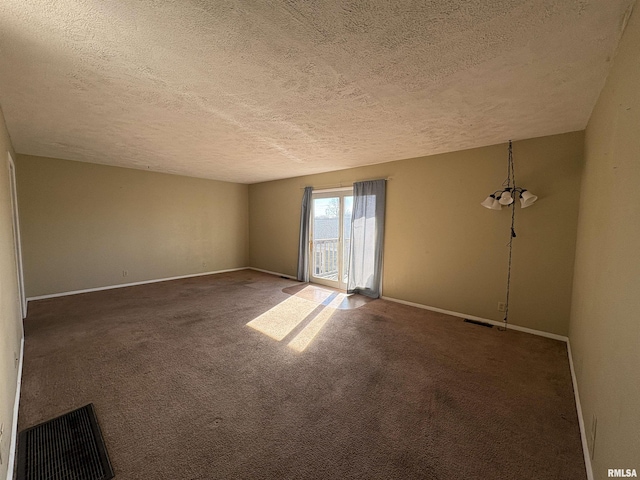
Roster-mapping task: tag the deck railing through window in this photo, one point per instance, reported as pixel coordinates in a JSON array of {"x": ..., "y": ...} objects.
[{"x": 325, "y": 255}]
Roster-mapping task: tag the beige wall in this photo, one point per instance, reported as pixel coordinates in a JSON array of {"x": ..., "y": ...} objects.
[
  {"x": 605, "y": 317},
  {"x": 10, "y": 316},
  {"x": 442, "y": 248},
  {"x": 83, "y": 224}
]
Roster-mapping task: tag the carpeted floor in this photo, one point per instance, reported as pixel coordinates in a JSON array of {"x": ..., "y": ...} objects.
[{"x": 317, "y": 386}]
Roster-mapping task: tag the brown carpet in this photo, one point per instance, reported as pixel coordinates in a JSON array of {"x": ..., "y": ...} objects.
[{"x": 185, "y": 389}]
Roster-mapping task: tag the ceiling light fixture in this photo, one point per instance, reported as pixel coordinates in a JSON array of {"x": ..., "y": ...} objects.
[{"x": 505, "y": 197}]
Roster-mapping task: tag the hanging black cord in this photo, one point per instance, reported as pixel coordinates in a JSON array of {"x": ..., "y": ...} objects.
[
  {"x": 512, "y": 235},
  {"x": 510, "y": 176},
  {"x": 513, "y": 169}
]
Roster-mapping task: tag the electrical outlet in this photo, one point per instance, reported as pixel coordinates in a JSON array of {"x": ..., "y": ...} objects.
[
  {"x": 15, "y": 360},
  {"x": 502, "y": 306},
  {"x": 204, "y": 264},
  {"x": 125, "y": 273}
]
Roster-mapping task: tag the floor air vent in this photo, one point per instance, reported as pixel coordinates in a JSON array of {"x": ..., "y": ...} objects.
[
  {"x": 476, "y": 322},
  {"x": 69, "y": 447}
]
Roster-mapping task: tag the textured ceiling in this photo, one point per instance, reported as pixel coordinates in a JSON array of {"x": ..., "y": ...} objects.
[{"x": 260, "y": 90}]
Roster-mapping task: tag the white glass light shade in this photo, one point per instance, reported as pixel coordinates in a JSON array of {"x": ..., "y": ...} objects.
[
  {"x": 488, "y": 202},
  {"x": 496, "y": 205},
  {"x": 527, "y": 199},
  {"x": 506, "y": 198}
]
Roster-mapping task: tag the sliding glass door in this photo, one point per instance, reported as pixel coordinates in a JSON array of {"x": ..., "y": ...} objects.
[{"x": 331, "y": 237}]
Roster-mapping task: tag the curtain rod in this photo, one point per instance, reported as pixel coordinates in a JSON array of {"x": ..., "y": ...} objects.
[{"x": 342, "y": 184}]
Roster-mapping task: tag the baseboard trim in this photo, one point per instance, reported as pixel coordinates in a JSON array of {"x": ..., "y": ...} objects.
[
  {"x": 272, "y": 273},
  {"x": 583, "y": 431},
  {"x": 480, "y": 319},
  {"x": 133, "y": 284},
  {"x": 14, "y": 423}
]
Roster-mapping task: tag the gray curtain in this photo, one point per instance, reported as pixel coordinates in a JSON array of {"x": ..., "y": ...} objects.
[
  {"x": 367, "y": 235},
  {"x": 303, "y": 245}
]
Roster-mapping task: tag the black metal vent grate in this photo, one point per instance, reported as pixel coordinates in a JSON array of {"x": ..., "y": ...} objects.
[{"x": 69, "y": 447}]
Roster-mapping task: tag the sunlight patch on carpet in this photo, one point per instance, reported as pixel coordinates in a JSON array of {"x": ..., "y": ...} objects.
[
  {"x": 280, "y": 320},
  {"x": 306, "y": 336}
]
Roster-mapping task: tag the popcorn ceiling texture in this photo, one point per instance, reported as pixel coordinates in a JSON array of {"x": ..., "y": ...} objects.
[{"x": 255, "y": 91}]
